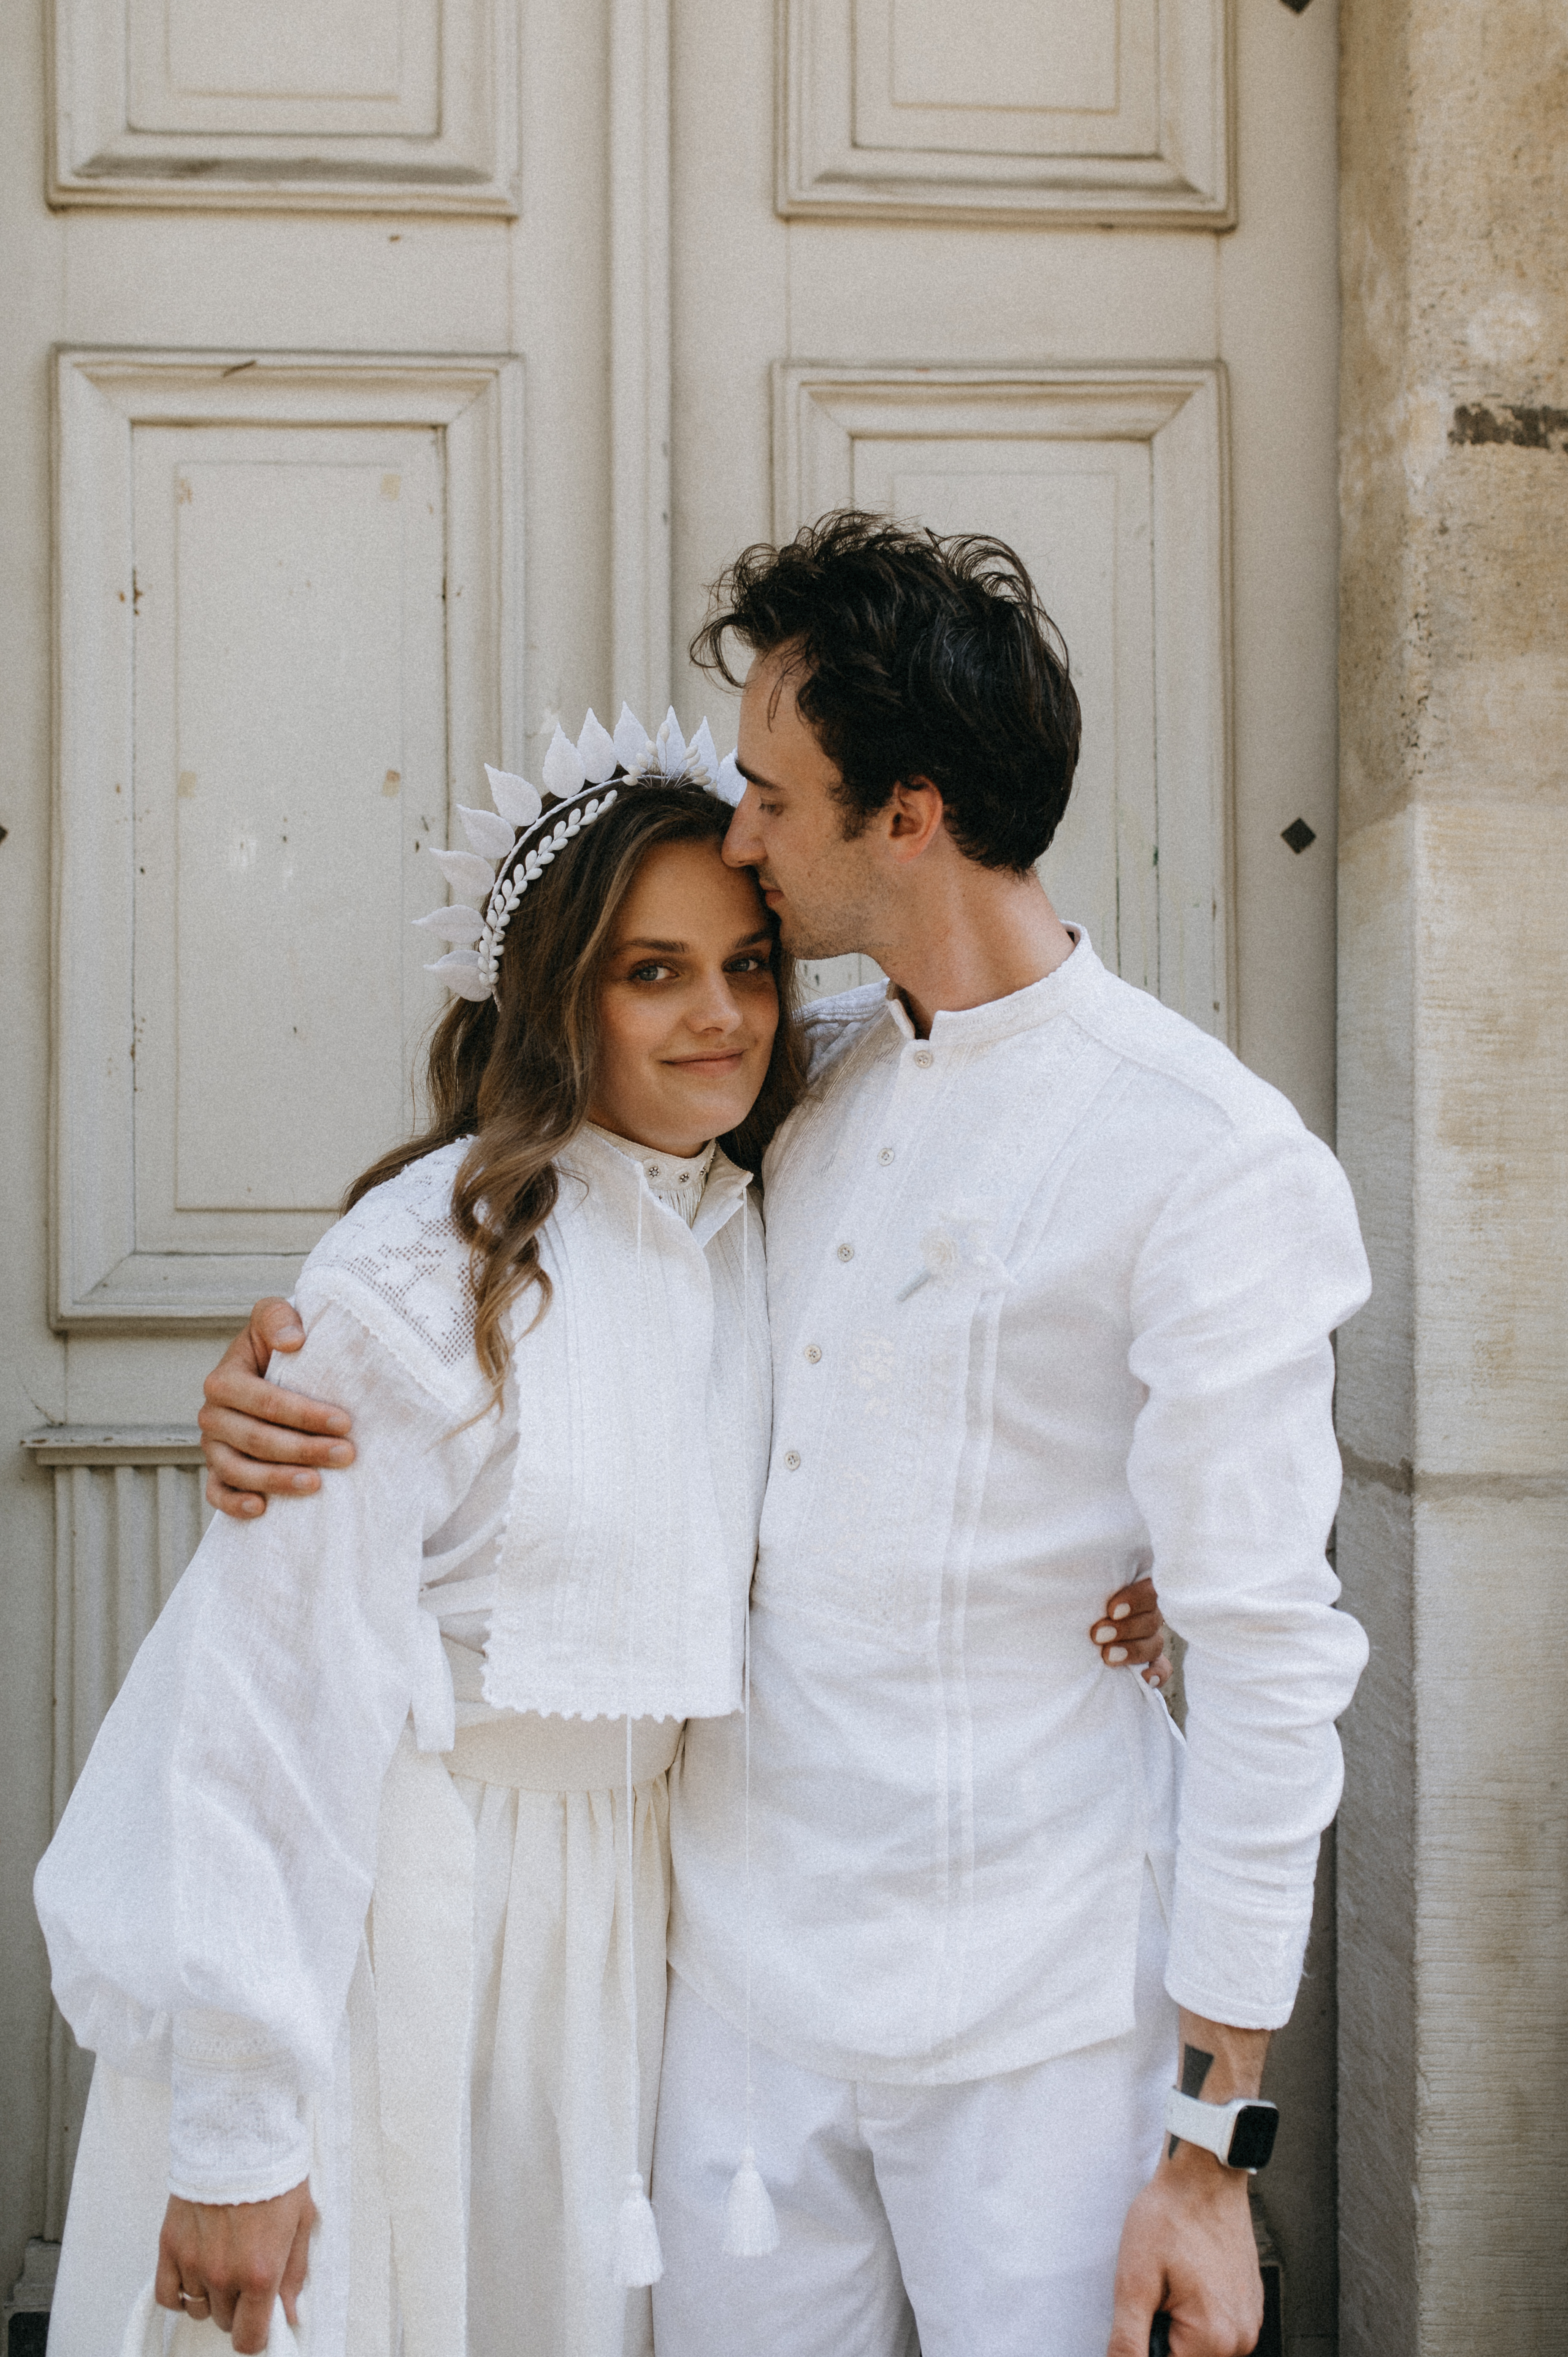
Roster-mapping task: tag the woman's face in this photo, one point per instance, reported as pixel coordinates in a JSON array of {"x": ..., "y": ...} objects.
[{"x": 687, "y": 1006}]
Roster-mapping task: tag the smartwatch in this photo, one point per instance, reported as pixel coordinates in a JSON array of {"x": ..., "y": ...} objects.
[{"x": 1240, "y": 2135}]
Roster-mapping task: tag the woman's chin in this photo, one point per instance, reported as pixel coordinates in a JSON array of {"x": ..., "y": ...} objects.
[{"x": 709, "y": 1109}]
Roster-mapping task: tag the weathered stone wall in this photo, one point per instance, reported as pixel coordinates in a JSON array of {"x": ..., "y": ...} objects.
[{"x": 1453, "y": 1123}]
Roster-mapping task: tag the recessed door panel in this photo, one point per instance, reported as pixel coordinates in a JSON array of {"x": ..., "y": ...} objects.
[
  {"x": 1078, "y": 517},
  {"x": 291, "y": 736}
]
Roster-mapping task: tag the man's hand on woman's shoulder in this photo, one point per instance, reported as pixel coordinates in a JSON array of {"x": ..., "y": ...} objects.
[{"x": 258, "y": 1439}]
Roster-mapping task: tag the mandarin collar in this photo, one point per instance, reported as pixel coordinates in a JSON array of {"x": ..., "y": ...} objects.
[{"x": 1022, "y": 1010}]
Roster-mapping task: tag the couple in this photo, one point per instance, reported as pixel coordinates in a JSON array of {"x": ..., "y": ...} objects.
[{"x": 362, "y": 1897}]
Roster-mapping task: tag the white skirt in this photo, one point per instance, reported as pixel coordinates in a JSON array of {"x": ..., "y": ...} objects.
[{"x": 471, "y": 2155}]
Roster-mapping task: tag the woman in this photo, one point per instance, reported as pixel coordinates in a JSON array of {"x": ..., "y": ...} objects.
[{"x": 363, "y": 1888}]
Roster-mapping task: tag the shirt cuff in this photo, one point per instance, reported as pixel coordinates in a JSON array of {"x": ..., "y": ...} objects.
[
  {"x": 239, "y": 2129},
  {"x": 1230, "y": 1959}
]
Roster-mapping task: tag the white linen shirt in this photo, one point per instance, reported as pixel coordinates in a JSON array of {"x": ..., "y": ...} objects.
[
  {"x": 1051, "y": 1293},
  {"x": 204, "y": 1898}
]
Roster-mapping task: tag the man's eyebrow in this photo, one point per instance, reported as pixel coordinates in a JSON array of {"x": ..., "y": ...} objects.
[{"x": 755, "y": 778}]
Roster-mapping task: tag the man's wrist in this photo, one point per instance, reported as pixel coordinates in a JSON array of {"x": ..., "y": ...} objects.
[
  {"x": 1240, "y": 2134},
  {"x": 1201, "y": 2176}
]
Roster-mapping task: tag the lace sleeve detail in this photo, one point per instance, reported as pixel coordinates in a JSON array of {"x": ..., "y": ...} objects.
[{"x": 398, "y": 1261}]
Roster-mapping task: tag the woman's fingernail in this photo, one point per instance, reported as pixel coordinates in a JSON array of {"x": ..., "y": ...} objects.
[
  {"x": 1104, "y": 1633},
  {"x": 1120, "y": 1611},
  {"x": 302, "y": 1480},
  {"x": 1116, "y": 1653},
  {"x": 340, "y": 1454}
]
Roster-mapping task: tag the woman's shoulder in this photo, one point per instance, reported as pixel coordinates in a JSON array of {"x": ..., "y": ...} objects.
[{"x": 398, "y": 1261}]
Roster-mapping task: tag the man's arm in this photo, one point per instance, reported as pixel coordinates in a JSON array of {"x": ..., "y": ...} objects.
[
  {"x": 257, "y": 1438},
  {"x": 1252, "y": 1262},
  {"x": 1188, "y": 2244}
]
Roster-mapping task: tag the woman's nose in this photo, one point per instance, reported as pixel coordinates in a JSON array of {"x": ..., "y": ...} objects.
[{"x": 716, "y": 1008}]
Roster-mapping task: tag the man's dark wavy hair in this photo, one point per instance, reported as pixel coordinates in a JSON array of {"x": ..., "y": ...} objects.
[{"x": 913, "y": 656}]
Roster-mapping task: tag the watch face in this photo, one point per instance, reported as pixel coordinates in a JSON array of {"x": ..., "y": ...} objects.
[{"x": 1253, "y": 2136}]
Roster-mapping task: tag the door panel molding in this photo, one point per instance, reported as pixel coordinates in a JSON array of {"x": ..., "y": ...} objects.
[
  {"x": 901, "y": 110},
  {"x": 639, "y": 353},
  {"x": 185, "y": 104},
  {"x": 142, "y": 1236},
  {"x": 842, "y": 434}
]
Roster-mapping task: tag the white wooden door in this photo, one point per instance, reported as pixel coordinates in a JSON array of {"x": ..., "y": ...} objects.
[{"x": 386, "y": 379}]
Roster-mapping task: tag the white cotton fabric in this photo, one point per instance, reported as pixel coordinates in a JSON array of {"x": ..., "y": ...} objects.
[
  {"x": 1051, "y": 1294},
  {"x": 471, "y": 2159},
  {"x": 914, "y": 2222},
  {"x": 206, "y": 1899}
]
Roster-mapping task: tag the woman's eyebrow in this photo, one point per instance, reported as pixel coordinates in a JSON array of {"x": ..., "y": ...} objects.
[{"x": 680, "y": 948}]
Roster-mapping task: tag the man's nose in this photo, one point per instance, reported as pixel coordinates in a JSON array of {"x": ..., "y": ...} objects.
[{"x": 740, "y": 847}]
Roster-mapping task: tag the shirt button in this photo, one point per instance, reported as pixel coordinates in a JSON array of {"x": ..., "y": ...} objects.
[
  {"x": 886, "y": 1155},
  {"x": 792, "y": 1460},
  {"x": 812, "y": 1352},
  {"x": 653, "y": 1169},
  {"x": 846, "y": 1252},
  {"x": 924, "y": 1058}
]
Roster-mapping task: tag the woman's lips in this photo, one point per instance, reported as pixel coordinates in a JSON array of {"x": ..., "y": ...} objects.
[{"x": 708, "y": 1063}]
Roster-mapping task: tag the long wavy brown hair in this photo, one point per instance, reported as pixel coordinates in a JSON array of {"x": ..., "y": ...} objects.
[{"x": 519, "y": 1079}]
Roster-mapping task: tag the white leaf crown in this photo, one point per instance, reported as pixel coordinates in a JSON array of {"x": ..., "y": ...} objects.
[{"x": 516, "y": 842}]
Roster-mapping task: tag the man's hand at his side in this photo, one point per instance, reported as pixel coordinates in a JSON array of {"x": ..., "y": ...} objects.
[
  {"x": 257, "y": 1438},
  {"x": 1188, "y": 2244}
]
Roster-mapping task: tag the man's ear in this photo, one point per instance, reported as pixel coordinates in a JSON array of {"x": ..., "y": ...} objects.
[{"x": 914, "y": 817}]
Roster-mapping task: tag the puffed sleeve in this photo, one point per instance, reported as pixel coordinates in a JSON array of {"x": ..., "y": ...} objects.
[
  {"x": 205, "y": 1895},
  {"x": 1254, "y": 1261}
]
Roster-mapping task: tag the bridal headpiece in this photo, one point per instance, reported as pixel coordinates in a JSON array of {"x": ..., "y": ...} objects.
[{"x": 515, "y": 843}]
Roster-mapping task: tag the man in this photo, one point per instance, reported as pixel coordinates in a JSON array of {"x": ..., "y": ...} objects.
[{"x": 1051, "y": 1279}]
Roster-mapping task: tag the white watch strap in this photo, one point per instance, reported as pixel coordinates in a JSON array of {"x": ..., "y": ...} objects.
[{"x": 1209, "y": 2124}]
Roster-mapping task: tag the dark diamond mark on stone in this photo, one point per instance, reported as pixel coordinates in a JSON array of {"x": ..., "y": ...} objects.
[
  {"x": 1298, "y": 835},
  {"x": 1297, "y": 4}
]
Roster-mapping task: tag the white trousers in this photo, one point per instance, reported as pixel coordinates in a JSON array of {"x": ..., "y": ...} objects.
[{"x": 938, "y": 2220}]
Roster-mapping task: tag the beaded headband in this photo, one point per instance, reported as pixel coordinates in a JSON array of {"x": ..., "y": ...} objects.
[{"x": 511, "y": 851}]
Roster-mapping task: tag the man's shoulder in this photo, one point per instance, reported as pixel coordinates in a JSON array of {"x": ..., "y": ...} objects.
[{"x": 1175, "y": 1069}]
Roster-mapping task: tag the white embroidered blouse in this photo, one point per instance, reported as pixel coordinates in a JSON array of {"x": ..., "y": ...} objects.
[{"x": 596, "y": 1539}]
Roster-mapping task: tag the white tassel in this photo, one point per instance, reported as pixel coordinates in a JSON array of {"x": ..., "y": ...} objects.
[
  {"x": 751, "y": 2230},
  {"x": 638, "y": 2259}
]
